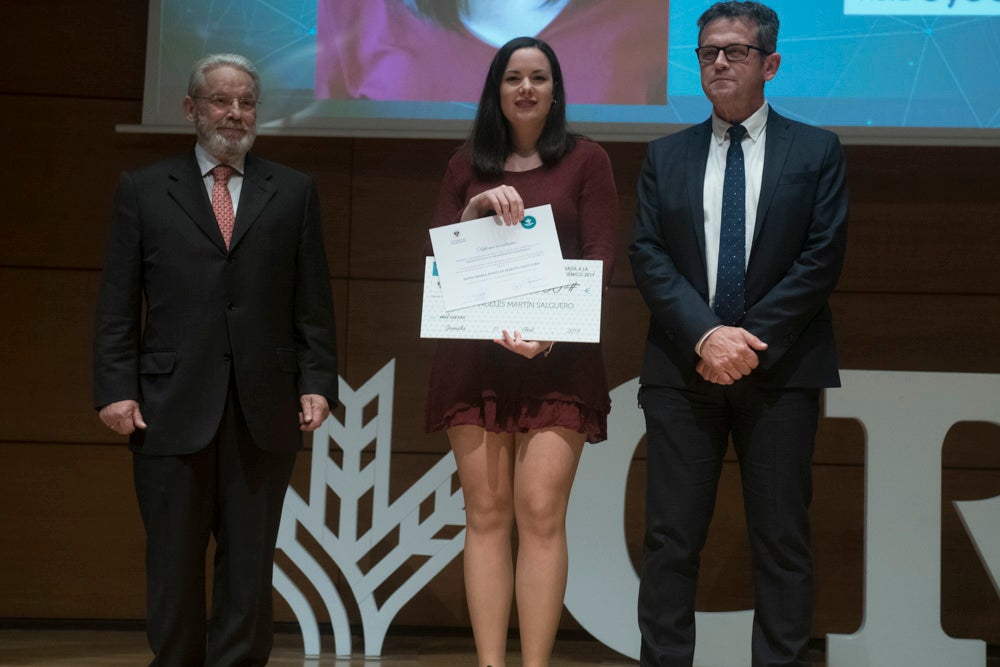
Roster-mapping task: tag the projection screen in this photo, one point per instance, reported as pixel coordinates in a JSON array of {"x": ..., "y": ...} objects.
[{"x": 875, "y": 71}]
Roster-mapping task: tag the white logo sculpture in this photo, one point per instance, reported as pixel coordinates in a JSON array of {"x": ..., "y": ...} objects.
[
  {"x": 905, "y": 415},
  {"x": 906, "y": 418},
  {"x": 602, "y": 589},
  {"x": 347, "y": 548}
]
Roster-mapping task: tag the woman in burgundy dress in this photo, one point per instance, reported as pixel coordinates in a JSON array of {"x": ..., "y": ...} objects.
[{"x": 517, "y": 412}]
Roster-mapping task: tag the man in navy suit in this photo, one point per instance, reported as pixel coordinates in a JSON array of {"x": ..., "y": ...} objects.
[
  {"x": 740, "y": 351},
  {"x": 214, "y": 351}
]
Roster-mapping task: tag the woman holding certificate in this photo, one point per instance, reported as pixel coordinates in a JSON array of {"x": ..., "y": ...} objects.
[{"x": 517, "y": 412}]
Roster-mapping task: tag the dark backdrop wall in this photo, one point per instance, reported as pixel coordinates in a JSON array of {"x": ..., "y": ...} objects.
[{"x": 920, "y": 292}]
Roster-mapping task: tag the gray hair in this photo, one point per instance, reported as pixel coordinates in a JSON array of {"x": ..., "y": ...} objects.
[
  {"x": 216, "y": 60},
  {"x": 754, "y": 13}
]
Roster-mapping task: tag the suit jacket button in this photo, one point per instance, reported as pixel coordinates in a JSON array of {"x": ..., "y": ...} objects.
[
  {"x": 230, "y": 305},
  {"x": 227, "y": 357}
]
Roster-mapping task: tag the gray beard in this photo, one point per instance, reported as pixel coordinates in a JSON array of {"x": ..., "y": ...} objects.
[{"x": 223, "y": 148}]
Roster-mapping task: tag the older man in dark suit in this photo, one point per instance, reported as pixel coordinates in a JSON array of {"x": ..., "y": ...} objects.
[
  {"x": 214, "y": 350},
  {"x": 739, "y": 240}
]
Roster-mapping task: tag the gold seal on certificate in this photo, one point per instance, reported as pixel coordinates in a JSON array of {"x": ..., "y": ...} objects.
[{"x": 569, "y": 312}]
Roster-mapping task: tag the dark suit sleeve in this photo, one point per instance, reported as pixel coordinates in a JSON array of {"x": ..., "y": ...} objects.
[
  {"x": 314, "y": 320},
  {"x": 798, "y": 296},
  {"x": 118, "y": 320},
  {"x": 662, "y": 232}
]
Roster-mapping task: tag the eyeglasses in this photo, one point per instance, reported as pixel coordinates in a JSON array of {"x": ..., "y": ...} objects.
[
  {"x": 735, "y": 53},
  {"x": 223, "y": 103}
]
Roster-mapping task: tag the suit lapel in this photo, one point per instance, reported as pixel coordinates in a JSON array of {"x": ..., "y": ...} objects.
[
  {"x": 779, "y": 141},
  {"x": 697, "y": 159},
  {"x": 258, "y": 188},
  {"x": 187, "y": 188}
]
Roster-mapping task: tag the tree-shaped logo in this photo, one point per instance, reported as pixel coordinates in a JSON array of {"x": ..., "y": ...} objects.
[{"x": 425, "y": 524}]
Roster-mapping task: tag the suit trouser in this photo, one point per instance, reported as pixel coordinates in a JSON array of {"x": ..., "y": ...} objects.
[
  {"x": 687, "y": 434},
  {"x": 233, "y": 491}
]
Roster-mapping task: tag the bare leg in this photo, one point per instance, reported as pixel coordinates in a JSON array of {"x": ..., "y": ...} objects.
[
  {"x": 486, "y": 469},
  {"x": 544, "y": 468}
]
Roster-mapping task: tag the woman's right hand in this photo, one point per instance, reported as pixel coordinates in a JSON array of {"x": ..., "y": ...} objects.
[
  {"x": 502, "y": 201},
  {"x": 529, "y": 349}
]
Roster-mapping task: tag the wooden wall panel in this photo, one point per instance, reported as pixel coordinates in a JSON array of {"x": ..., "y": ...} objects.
[
  {"x": 61, "y": 188},
  {"x": 624, "y": 322},
  {"x": 897, "y": 241},
  {"x": 73, "y": 541},
  {"x": 80, "y": 541},
  {"x": 626, "y": 160},
  {"x": 914, "y": 332},
  {"x": 914, "y": 247},
  {"x": 970, "y": 600},
  {"x": 919, "y": 293},
  {"x": 921, "y": 220},
  {"x": 396, "y": 187},
  {"x": 921, "y": 174},
  {"x": 330, "y": 163},
  {"x": 51, "y": 314},
  {"x": 973, "y": 444},
  {"x": 80, "y": 547},
  {"x": 46, "y": 355},
  {"x": 70, "y": 48},
  {"x": 384, "y": 321}
]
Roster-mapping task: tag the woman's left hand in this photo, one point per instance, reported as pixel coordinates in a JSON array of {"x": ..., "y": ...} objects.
[{"x": 526, "y": 348}]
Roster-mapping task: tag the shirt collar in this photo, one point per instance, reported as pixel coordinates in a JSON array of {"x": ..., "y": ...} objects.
[
  {"x": 206, "y": 162},
  {"x": 754, "y": 125}
]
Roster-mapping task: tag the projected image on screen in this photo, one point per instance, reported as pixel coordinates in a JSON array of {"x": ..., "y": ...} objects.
[
  {"x": 433, "y": 50},
  {"x": 877, "y": 68}
]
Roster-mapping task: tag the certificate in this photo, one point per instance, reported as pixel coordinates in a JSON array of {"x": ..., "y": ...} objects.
[
  {"x": 569, "y": 312},
  {"x": 485, "y": 260}
]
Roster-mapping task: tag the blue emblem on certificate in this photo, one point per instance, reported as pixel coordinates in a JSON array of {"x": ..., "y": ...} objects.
[{"x": 483, "y": 260}]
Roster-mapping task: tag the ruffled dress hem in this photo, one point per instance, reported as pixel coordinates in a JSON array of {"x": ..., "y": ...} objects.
[{"x": 527, "y": 414}]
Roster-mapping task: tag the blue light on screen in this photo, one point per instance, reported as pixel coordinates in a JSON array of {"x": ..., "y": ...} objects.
[{"x": 904, "y": 69}]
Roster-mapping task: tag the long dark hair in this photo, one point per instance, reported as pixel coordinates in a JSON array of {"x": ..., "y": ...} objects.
[{"x": 490, "y": 142}]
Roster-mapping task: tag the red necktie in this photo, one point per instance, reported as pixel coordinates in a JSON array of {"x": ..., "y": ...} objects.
[{"x": 222, "y": 202}]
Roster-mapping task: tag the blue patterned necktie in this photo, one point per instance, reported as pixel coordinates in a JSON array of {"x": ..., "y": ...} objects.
[{"x": 730, "y": 302}]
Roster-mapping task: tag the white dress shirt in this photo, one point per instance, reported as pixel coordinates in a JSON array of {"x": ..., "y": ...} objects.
[{"x": 715, "y": 173}]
